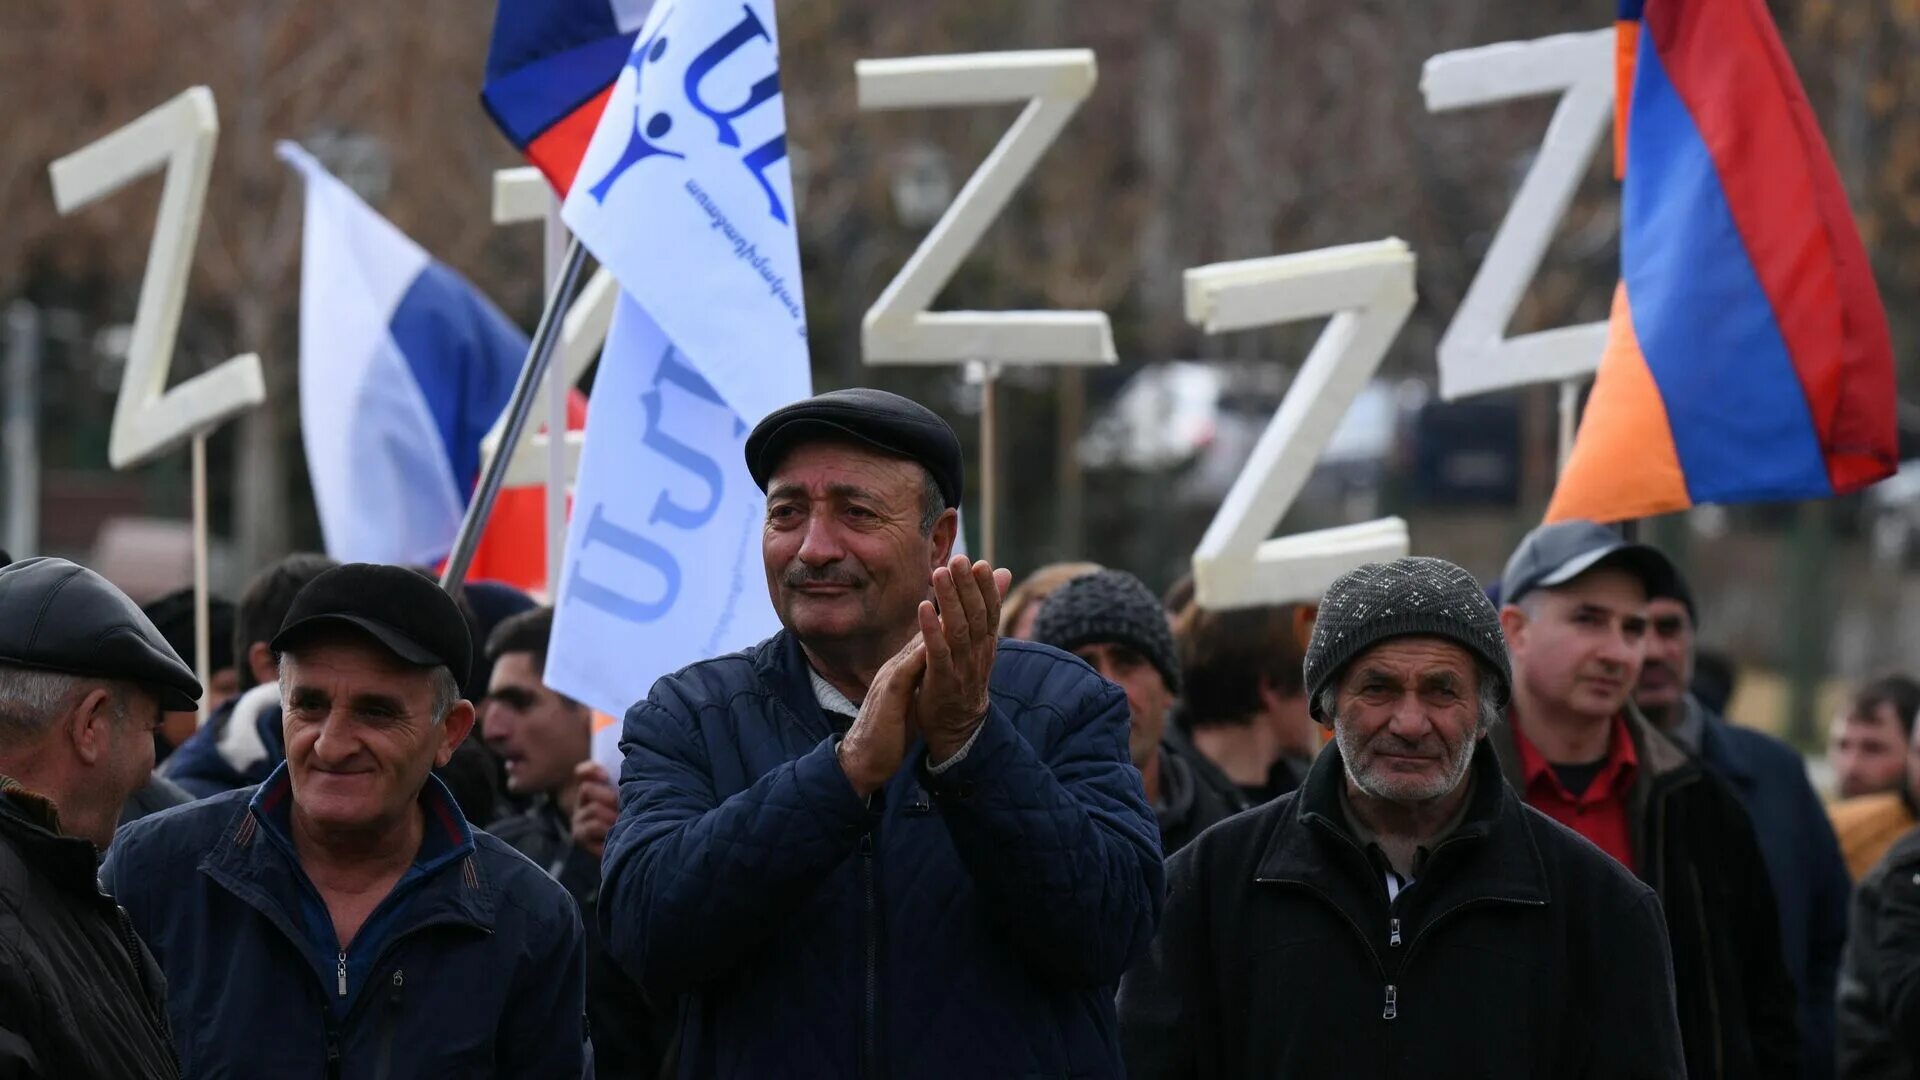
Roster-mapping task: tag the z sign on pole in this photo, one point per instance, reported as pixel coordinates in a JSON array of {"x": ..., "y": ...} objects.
[
  {"x": 149, "y": 419},
  {"x": 1475, "y": 355},
  {"x": 1368, "y": 289}
]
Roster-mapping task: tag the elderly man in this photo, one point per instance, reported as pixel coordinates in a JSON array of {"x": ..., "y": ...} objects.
[
  {"x": 1810, "y": 882},
  {"x": 1578, "y": 751},
  {"x": 1113, "y": 621},
  {"x": 84, "y": 680},
  {"x": 342, "y": 915},
  {"x": 1402, "y": 913},
  {"x": 882, "y": 842}
]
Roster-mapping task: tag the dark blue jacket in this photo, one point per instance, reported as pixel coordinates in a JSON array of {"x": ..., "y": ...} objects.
[
  {"x": 474, "y": 970},
  {"x": 970, "y": 925},
  {"x": 1810, "y": 882},
  {"x": 237, "y": 747}
]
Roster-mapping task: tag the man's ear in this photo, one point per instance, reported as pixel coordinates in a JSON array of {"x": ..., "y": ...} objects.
[
  {"x": 90, "y": 725},
  {"x": 454, "y": 731},
  {"x": 1513, "y": 623},
  {"x": 945, "y": 528},
  {"x": 260, "y": 662}
]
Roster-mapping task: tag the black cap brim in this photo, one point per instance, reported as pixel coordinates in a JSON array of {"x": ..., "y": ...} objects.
[
  {"x": 1648, "y": 564},
  {"x": 396, "y": 642}
]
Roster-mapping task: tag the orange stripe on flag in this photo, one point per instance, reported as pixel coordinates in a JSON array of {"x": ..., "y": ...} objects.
[
  {"x": 601, "y": 721},
  {"x": 1626, "y": 46},
  {"x": 1623, "y": 463}
]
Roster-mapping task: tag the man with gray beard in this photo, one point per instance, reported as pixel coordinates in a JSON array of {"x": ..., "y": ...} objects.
[{"x": 1403, "y": 913}]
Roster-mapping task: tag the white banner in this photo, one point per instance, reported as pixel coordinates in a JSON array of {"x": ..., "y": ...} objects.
[{"x": 663, "y": 560}]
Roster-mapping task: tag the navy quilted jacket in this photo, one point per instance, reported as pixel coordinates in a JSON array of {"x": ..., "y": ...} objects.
[{"x": 970, "y": 925}]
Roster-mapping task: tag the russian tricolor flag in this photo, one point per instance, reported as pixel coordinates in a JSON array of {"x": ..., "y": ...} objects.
[
  {"x": 1748, "y": 357},
  {"x": 550, "y": 68},
  {"x": 404, "y": 367}
]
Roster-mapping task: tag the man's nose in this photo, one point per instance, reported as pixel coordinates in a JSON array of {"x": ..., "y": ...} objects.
[
  {"x": 1409, "y": 716},
  {"x": 821, "y": 544}
]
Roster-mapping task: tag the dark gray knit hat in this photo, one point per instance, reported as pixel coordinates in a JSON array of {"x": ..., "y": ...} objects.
[
  {"x": 1414, "y": 595},
  {"x": 1109, "y": 606}
]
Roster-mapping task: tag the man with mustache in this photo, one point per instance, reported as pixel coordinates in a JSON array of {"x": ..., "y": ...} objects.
[
  {"x": 882, "y": 842},
  {"x": 1577, "y": 750},
  {"x": 1402, "y": 913},
  {"x": 1810, "y": 882}
]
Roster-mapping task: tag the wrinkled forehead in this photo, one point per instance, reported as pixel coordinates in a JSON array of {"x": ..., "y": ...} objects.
[
  {"x": 824, "y": 467},
  {"x": 1414, "y": 657},
  {"x": 336, "y": 653}
]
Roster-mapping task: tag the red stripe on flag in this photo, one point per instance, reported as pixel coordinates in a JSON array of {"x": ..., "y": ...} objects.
[{"x": 558, "y": 150}]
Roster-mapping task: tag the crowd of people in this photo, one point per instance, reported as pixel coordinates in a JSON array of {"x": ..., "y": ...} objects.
[{"x": 941, "y": 824}]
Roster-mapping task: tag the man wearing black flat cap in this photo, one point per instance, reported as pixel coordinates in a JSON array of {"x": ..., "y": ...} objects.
[
  {"x": 882, "y": 842},
  {"x": 84, "y": 677},
  {"x": 1576, "y": 749},
  {"x": 343, "y": 914}
]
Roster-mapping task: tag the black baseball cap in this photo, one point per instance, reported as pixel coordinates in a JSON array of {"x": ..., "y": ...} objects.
[
  {"x": 402, "y": 609},
  {"x": 886, "y": 422},
  {"x": 1556, "y": 554},
  {"x": 57, "y": 616}
]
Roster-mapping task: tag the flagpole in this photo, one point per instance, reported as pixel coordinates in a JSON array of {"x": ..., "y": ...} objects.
[
  {"x": 202, "y": 620},
  {"x": 557, "y": 388},
  {"x": 1569, "y": 419},
  {"x": 989, "y": 459},
  {"x": 539, "y": 354}
]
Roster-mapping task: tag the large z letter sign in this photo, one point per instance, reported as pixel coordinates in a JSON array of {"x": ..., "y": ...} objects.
[
  {"x": 149, "y": 419},
  {"x": 899, "y": 328},
  {"x": 1475, "y": 355},
  {"x": 1368, "y": 289}
]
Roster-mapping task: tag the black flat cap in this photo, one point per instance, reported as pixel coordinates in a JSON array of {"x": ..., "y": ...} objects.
[
  {"x": 1556, "y": 554},
  {"x": 401, "y": 609},
  {"x": 886, "y": 422},
  {"x": 57, "y": 616}
]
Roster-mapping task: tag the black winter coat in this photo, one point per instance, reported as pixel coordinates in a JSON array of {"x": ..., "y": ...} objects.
[
  {"x": 1879, "y": 1028},
  {"x": 1695, "y": 844},
  {"x": 1519, "y": 951},
  {"x": 1194, "y": 793},
  {"x": 80, "y": 997}
]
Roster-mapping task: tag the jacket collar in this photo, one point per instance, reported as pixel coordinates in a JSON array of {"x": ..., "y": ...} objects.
[
  {"x": 254, "y": 859},
  {"x": 31, "y": 822},
  {"x": 782, "y": 664},
  {"x": 1491, "y": 856},
  {"x": 1658, "y": 756},
  {"x": 1725, "y": 755}
]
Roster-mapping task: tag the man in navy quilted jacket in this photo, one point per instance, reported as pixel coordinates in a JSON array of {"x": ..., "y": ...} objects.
[{"x": 882, "y": 842}]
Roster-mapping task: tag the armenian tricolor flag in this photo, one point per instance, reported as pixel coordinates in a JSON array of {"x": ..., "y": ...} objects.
[
  {"x": 550, "y": 69},
  {"x": 1748, "y": 358}
]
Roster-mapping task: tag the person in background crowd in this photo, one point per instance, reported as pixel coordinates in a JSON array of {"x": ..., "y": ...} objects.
[
  {"x": 1869, "y": 824},
  {"x": 343, "y": 913},
  {"x": 1023, "y": 602},
  {"x": 1113, "y": 621},
  {"x": 1810, "y": 882},
  {"x": 241, "y": 741},
  {"x": 1577, "y": 750},
  {"x": 172, "y": 614},
  {"x": 882, "y": 842},
  {"x": 544, "y": 737},
  {"x": 1374, "y": 921},
  {"x": 84, "y": 679},
  {"x": 1867, "y": 746},
  {"x": 1244, "y": 706},
  {"x": 1879, "y": 999}
]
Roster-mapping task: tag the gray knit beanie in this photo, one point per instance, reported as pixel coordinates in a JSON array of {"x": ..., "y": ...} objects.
[
  {"x": 1414, "y": 595},
  {"x": 1109, "y": 606}
]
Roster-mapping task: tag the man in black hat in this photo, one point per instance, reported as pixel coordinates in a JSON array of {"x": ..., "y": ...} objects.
[
  {"x": 343, "y": 913},
  {"x": 84, "y": 677},
  {"x": 1111, "y": 620},
  {"x": 1402, "y": 913},
  {"x": 1576, "y": 749},
  {"x": 882, "y": 842}
]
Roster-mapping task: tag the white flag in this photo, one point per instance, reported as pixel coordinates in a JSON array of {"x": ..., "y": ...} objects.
[{"x": 685, "y": 195}]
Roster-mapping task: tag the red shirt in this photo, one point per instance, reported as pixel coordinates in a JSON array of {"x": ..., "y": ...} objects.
[{"x": 1598, "y": 813}]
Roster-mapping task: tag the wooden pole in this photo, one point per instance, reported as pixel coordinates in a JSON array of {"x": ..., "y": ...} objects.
[
  {"x": 202, "y": 629},
  {"x": 1569, "y": 420},
  {"x": 989, "y": 462}
]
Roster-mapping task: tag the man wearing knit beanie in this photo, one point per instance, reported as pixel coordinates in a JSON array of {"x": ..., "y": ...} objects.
[
  {"x": 1113, "y": 621},
  {"x": 1368, "y": 923}
]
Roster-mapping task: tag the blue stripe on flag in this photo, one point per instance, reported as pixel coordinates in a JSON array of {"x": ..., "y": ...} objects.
[{"x": 464, "y": 355}]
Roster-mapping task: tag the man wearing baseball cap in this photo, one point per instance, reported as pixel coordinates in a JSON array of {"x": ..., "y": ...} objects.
[
  {"x": 1575, "y": 617},
  {"x": 882, "y": 842},
  {"x": 84, "y": 679},
  {"x": 343, "y": 914},
  {"x": 1402, "y": 913}
]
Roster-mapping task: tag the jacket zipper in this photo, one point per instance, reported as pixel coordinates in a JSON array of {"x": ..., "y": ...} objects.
[
  {"x": 389, "y": 1025},
  {"x": 340, "y": 973},
  {"x": 1392, "y": 1008},
  {"x": 868, "y": 876},
  {"x": 333, "y": 1044},
  {"x": 1393, "y": 932}
]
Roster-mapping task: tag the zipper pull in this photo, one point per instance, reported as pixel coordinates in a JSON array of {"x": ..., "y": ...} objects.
[
  {"x": 1393, "y": 1003},
  {"x": 866, "y": 842},
  {"x": 340, "y": 972},
  {"x": 1393, "y": 934},
  {"x": 393, "y": 995}
]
